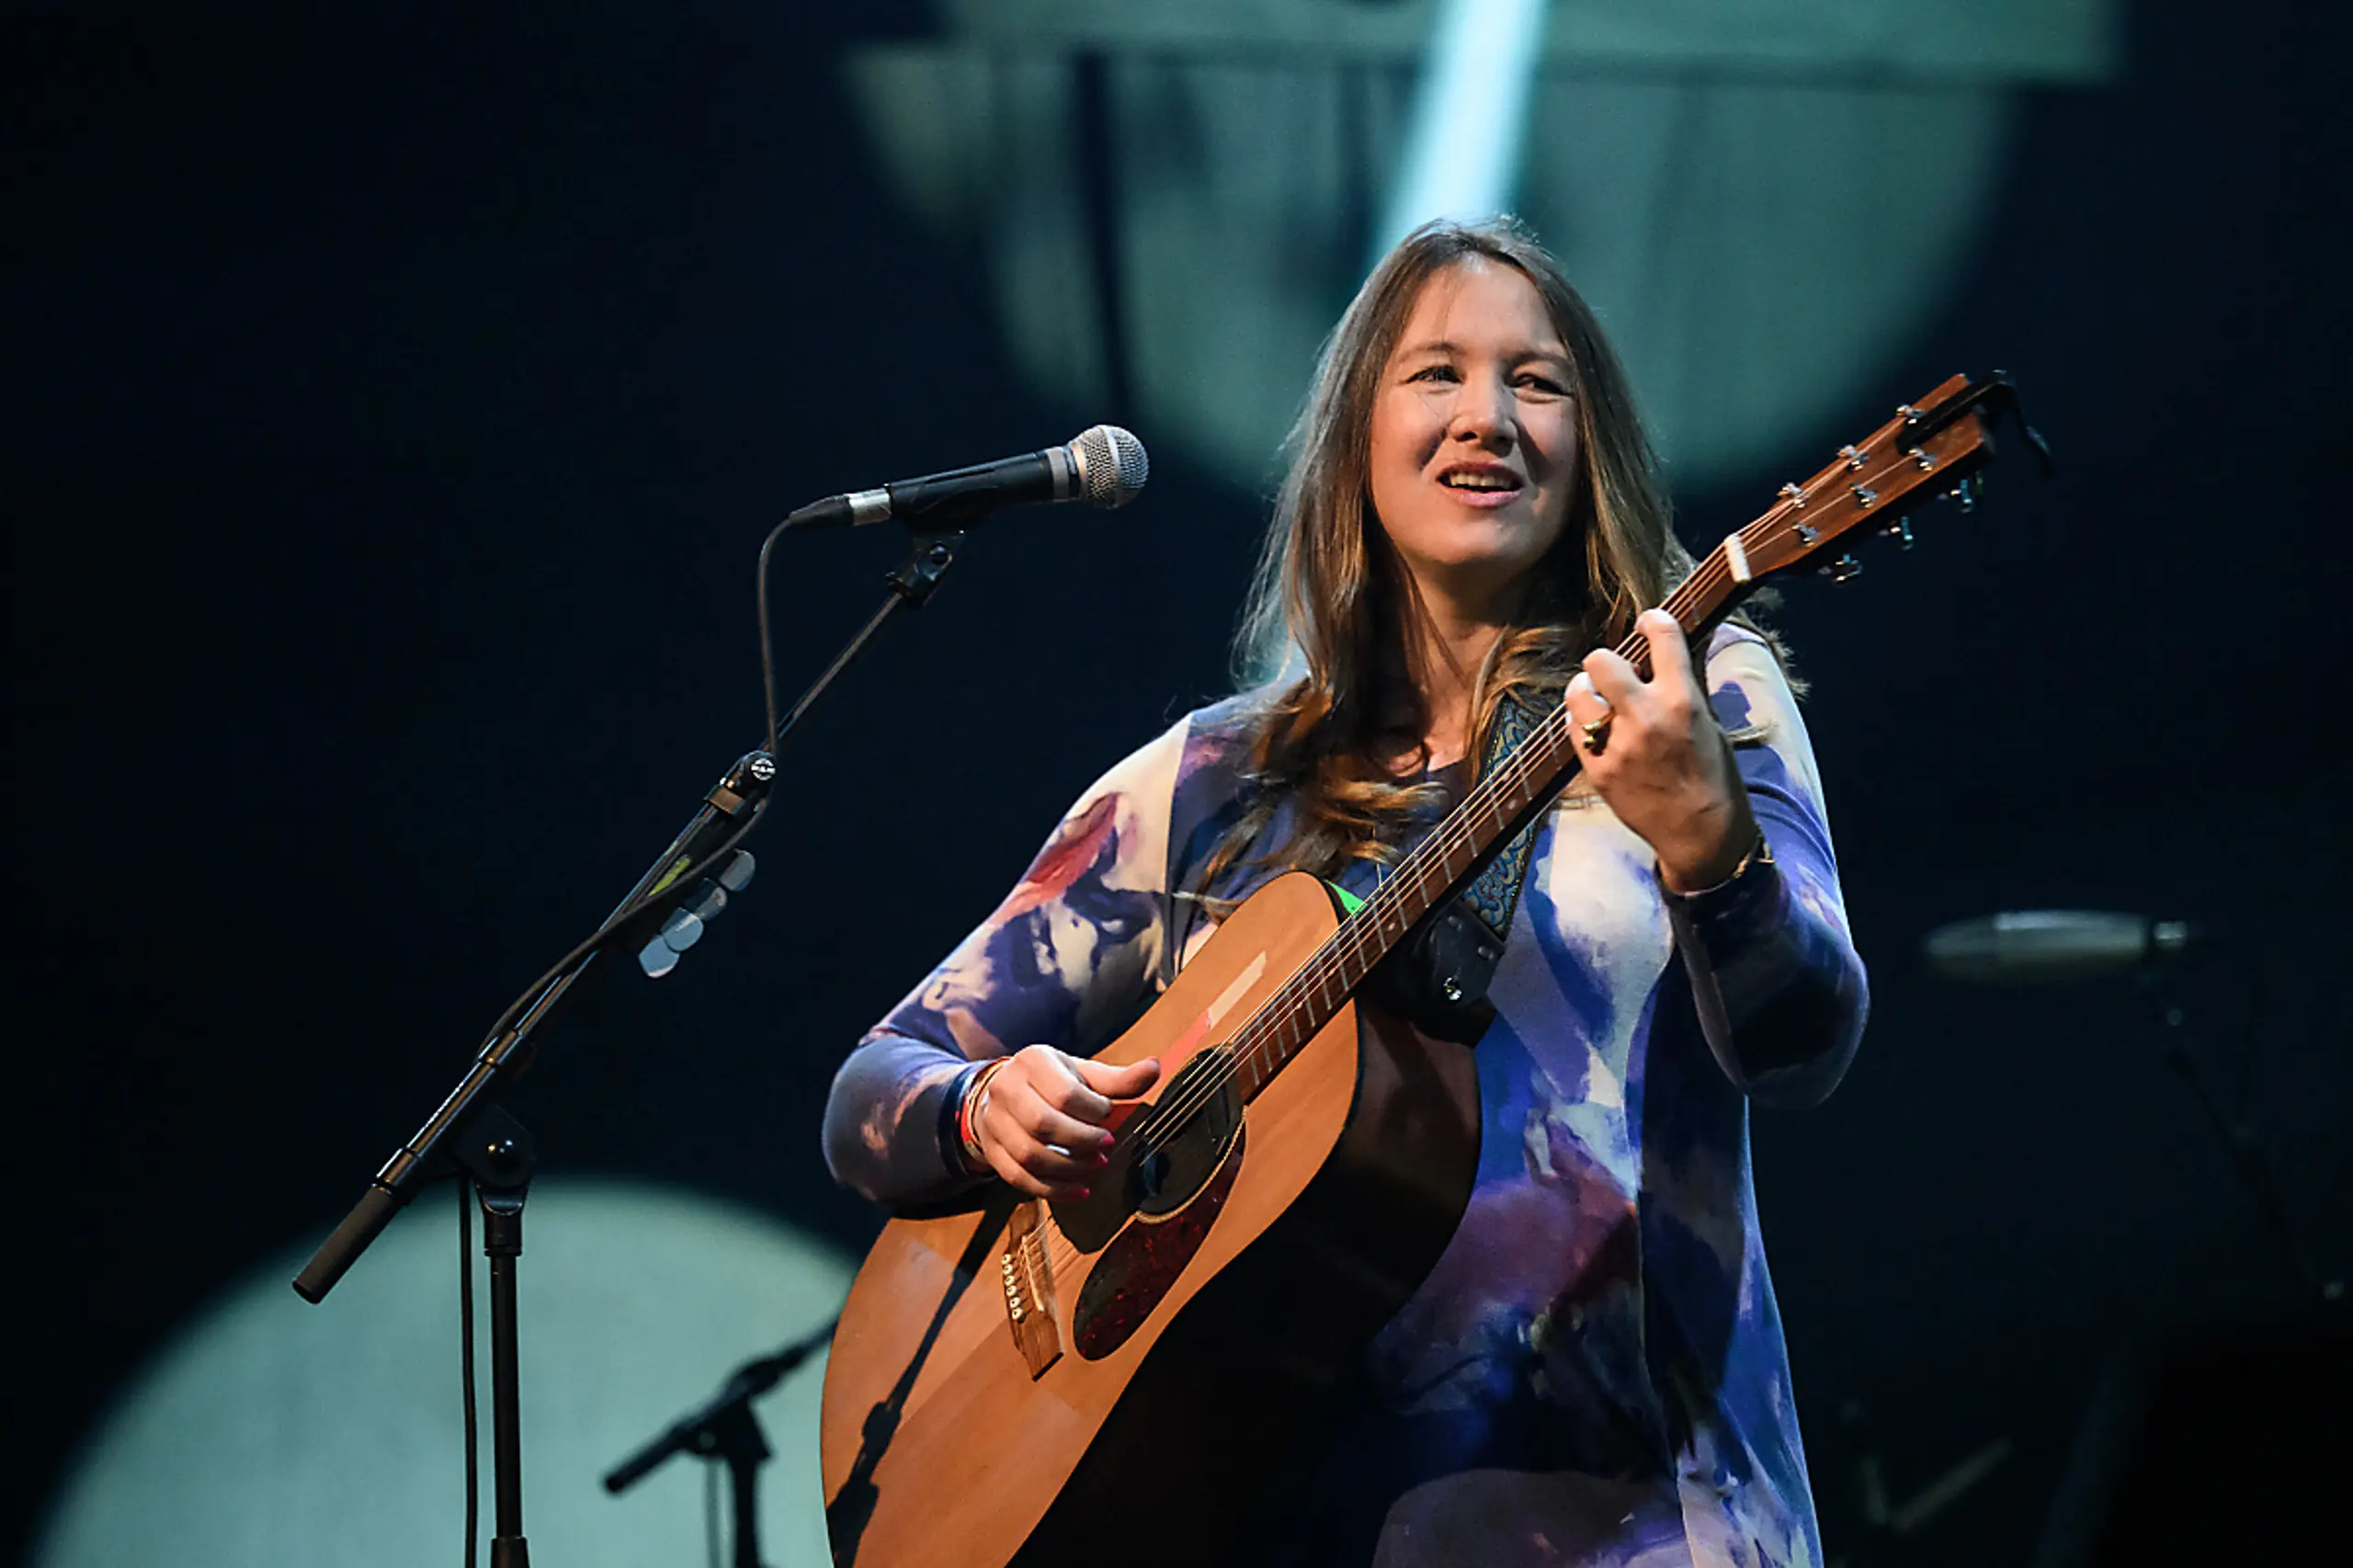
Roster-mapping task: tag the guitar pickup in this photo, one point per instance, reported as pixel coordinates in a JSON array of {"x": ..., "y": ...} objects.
[{"x": 1031, "y": 1310}]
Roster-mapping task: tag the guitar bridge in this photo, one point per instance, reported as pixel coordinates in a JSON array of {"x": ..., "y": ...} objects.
[{"x": 1031, "y": 1310}]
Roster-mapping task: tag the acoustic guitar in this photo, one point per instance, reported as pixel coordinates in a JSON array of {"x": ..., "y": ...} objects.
[{"x": 1114, "y": 1380}]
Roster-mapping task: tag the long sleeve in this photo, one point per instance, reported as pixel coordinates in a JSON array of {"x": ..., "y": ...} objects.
[
  {"x": 1065, "y": 960},
  {"x": 1780, "y": 993}
]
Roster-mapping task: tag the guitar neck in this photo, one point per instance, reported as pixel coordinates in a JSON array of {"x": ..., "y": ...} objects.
[
  {"x": 1460, "y": 847},
  {"x": 1929, "y": 449}
]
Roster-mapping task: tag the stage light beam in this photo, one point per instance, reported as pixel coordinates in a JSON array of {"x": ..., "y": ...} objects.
[{"x": 1469, "y": 116}]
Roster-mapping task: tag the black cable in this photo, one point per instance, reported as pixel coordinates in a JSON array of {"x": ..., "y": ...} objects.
[
  {"x": 768, "y": 644},
  {"x": 621, "y": 916},
  {"x": 466, "y": 1358},
  {"x": 629, "y": 910}
]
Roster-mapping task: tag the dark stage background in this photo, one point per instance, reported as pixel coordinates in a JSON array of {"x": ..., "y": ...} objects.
[{"x": 397, "y": 399}]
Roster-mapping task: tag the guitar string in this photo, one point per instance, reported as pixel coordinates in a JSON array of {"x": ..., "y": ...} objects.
[
  {"x": 1281, "y": 1009},
  {"x": 1496, "y": 798},
  {"x": 1503, "y": 794},
  {"x": 1283, "y": 1012},
  {"x": 1259, "y": 1046}
]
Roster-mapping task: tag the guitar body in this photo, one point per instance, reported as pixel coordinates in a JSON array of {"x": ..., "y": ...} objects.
[{"x": 1005, "y": 1388}]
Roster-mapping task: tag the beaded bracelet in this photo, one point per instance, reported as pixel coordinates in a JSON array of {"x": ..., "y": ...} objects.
[{"x": 968, "y": 1115}]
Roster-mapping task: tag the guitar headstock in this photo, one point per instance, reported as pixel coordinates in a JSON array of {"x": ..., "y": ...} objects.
[{"x": 1930, "y": 450}]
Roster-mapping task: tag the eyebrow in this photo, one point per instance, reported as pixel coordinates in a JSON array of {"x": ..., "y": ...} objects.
[{"x": 1442, "y": 346}]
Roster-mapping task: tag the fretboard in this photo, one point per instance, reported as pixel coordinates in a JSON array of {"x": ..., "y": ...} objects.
[{"x": 1443, "y": 863}]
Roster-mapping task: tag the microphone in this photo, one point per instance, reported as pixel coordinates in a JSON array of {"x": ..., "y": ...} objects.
[
  {"x": 1102, "y": 466},
  {"x": 2026, "y": 947}
]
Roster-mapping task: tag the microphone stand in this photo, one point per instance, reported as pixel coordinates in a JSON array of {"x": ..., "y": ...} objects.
[
  {"x": 471, "y": 1131},
  {"x": 2176, "y": 1049},
  {"x": 724, "y": 1430}
]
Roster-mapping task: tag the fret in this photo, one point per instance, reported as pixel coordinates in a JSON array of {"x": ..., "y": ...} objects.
[
  {"x": 1350, "y": 963},
  {"x": 1425, "y": 895}
]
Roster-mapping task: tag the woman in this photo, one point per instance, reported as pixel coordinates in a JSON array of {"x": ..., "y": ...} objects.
[{"x": 1593, "y": 1373}]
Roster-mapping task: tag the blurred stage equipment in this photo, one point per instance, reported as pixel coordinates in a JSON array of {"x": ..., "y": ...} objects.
[
  {"x": 1102, "y": 466},
  {"x": 470, "y": 1135},
  {"x": 2183, "y": 1448},
  {"x": 724, "y": 1431},
  {"x": 2037, "y": 946},
  {"x": 1889, "y": 1530},
  {"x": 2024, "y": 947},
  {"x": 1171, "y": 199}
]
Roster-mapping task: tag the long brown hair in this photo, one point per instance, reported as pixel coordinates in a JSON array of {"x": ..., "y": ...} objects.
[{"x": 1330, "y": 599}]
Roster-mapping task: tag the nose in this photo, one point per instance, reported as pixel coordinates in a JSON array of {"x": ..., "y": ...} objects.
[{"x": 1485, "y": 413}]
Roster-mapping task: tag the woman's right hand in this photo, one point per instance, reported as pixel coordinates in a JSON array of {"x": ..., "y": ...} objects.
[{"x": 1041, "y": 1124}]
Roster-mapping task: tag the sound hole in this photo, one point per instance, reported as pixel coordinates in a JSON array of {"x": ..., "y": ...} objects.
[
  {"x": 1180, "y": 1141},
  {"x": 1165, "y": 1155}
]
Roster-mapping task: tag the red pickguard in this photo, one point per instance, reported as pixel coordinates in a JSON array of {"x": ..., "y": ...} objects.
[{"x": 1140, "y": 1265}]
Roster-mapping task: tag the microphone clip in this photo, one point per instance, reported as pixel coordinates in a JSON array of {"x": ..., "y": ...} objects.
[{"x": 930, "y": 552}]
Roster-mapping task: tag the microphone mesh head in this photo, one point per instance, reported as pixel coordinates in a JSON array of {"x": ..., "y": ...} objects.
[{"x": 1111, "y": 465}]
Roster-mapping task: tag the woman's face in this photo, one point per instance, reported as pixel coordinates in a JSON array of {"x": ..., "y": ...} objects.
[{"x": 1475, "y": 437}]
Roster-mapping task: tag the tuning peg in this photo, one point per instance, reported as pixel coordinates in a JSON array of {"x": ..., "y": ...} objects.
[
  {"x": 1899, "y": 531},
  {"x": 1844, "y": 569}
]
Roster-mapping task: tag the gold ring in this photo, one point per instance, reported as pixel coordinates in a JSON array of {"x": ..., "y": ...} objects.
[{"x": 1596, "y": 732}]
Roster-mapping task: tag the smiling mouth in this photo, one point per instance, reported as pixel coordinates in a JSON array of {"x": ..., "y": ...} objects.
[{"x": 1481, "y": 483}]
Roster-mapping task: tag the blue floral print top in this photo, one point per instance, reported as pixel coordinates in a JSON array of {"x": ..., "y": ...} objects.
[{"x": 1593, "y": 1373}]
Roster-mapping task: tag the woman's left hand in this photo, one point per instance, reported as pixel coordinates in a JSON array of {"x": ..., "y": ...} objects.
[{"x": 1661, "y": 761}]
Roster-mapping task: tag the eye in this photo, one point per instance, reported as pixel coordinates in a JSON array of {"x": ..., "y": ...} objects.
[
  {"x": 1441, "y": 372},
  {"x": 1535, "y": 380}
]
